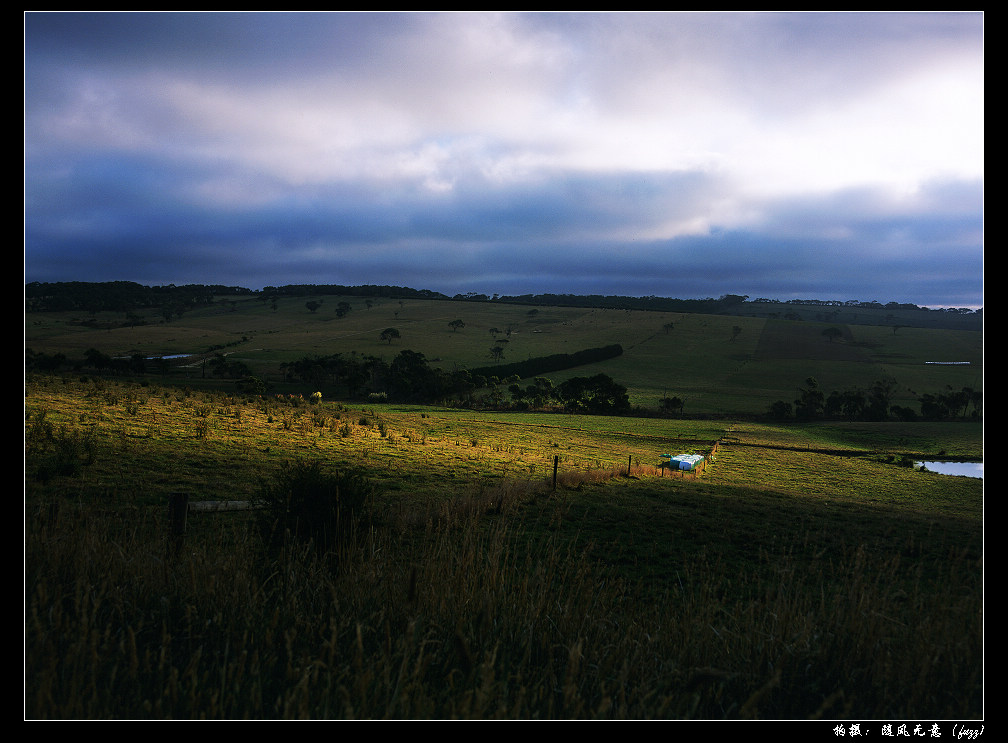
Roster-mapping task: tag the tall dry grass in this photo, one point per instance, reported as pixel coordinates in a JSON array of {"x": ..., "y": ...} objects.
[{"x": 476, "y": 607}]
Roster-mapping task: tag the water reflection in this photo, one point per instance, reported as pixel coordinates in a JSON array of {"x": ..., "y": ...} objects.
[{"x": 964, "y": 469}]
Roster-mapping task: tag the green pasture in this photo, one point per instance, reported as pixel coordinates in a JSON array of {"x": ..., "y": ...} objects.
[
  {"x": 171, "y": 438},
  {"x": 698, "y": 358}
]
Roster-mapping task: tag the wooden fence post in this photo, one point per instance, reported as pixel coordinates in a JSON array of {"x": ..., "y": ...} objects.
[
  {"x": 52, "y": 517},
  {"x": 178, "y": 508},
  {"x": 556, "y": 461}
]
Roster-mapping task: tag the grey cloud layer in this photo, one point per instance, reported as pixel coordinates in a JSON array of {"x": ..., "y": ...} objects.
[{"x": 671, "y": 154}]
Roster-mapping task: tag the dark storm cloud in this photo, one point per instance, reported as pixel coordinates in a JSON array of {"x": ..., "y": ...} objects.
[{"x": 834, "y": 156}]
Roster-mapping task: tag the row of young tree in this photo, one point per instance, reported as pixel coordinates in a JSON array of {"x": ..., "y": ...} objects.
[
  {"x": 540, "y": 365},
  {"x": 875, "y": 404},
  {"x": 409, "y": 377}
]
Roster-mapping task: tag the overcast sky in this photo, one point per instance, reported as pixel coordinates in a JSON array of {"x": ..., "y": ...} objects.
[{"x": 778, "y": 155}]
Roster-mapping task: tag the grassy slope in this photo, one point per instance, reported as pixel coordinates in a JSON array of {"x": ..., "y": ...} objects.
[{"x": 696, "y": 360}]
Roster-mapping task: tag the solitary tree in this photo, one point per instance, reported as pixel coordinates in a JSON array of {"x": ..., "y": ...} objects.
[
  {"x": 832, "y": 333},
  {"x": 456, "y": 324},
  {"x": 312, "y": 306},
  {"x": 735, "y": 331},
  {"x": 388, "y": 334}
]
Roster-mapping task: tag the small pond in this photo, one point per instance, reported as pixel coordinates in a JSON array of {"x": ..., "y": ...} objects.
[{"x": 963, "y": 469}]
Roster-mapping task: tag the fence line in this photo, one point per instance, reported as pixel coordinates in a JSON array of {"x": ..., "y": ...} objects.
[{"x": 179, "y": 505}]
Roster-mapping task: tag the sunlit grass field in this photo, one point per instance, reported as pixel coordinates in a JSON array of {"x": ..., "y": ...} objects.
[{"x": 804, "y": 573}]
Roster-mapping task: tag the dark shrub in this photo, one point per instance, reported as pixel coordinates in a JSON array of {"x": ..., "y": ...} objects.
[
  {"x": 904, "y": 414},
  {"x": 306, "y": 504},
  {"x": 60, "y": 452},
  {"x": 780, "y": 410}
]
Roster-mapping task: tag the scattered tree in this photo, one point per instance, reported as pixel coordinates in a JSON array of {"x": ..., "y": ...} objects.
[
  {"x": 670, "y": 405},
  {"x": 411, "y": 377},
  {"x": 97, "y": 359},
  {"x": 536, "y": 395},
  {"x": 780, "y": 410},
  {"x": 879, "y": 397},
  {"x": 252, "y": 386},
  {"x": 903, "y": 413},
  {"x": 597, "y": 394},
  {"x": 810, "y": 400},
  {"x": 221, "y": 366},
  {"x": 456, "y": 324},
  {"x": 388, "y": 335},
  {"x": 832, "y": 333}
]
